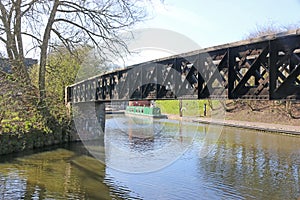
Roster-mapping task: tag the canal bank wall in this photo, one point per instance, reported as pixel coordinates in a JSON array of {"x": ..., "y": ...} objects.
[
  {"x": 88, "y": 124},
  {"x": 260, "y": 126},
  {"x": 17, "y": 142}
]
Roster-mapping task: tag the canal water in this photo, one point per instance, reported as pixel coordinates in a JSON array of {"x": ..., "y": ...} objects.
[{"x": 160, "y": 159}]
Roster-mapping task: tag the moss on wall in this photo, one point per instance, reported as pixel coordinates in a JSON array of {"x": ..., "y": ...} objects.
[{"x": 17, "y": 142}]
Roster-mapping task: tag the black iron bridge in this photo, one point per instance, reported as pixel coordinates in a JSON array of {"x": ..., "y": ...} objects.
[{"x": 261, "y": 68}]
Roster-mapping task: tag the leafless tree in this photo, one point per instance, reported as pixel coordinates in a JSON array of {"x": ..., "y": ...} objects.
[
  {"x": 270, "y": 28},
  {"x": 67, "y": 22}
]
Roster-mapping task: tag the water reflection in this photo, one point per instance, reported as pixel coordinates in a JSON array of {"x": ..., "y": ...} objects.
[
  {"x": 239, "y": 165},
  {"x": 57, "y": 174},
  {"x": 137, "y": 145},
  {"x": 260, "y": 165}
]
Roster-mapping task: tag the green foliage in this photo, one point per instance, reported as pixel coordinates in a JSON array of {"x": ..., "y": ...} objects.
[
  {"x": 91, "y": 64},
  {"x": 18, "y": 106},
  {"x": 63, "y": 69},
  {"x": 19, "y": 110}
]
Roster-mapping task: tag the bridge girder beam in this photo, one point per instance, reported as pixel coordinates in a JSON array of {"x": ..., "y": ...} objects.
[{"x": 264, "y": 68}]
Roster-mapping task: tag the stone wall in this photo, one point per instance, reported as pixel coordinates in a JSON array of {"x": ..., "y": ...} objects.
[
  {"x": 17, "y": 142},
  {"x": 89, "y": 125}
]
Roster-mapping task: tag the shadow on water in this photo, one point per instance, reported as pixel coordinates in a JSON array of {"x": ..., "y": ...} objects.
[{"x": 61, "y": 172}]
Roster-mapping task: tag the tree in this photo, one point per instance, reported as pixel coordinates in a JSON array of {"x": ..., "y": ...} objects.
[
  {"x": 70, "y": 23},
  {"x": 61, "y": 70},
  {"x": 270, "y": 28},
  {"x": 10, "y": 28}
]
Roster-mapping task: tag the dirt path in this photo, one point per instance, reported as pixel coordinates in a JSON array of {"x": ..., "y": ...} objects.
[
  {"x": 270, "y": 127},
  {"x": 286, "y": 129}
]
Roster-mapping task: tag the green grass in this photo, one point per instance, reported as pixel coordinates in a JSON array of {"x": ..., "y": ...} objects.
[
  {"x": 190, "y": 107},
  {"x": 168, "y": 106}
]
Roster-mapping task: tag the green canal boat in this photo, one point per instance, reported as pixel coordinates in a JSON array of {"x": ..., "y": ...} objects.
[{"x": 153, "y": 112}]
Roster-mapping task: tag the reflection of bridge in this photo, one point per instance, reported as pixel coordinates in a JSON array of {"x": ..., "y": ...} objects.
[{"x": 261, "y": 68}]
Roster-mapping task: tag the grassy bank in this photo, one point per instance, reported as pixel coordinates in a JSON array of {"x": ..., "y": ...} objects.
[
  {"x": 189, "y": 107},
  {"x": 273, "y": 112}
]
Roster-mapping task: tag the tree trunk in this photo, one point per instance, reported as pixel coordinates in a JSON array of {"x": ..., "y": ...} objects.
[
  {"x": 13, "y": 42},
  {"x": 44, "y": 49}
]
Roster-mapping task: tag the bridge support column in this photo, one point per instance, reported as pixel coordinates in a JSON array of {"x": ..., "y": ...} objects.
[
  {"x": 100, "y": 114},
  {"x": 89, "y": 119}
]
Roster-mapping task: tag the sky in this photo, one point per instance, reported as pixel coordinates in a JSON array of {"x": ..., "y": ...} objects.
[
  {"x": 211, "y": 22},
  {"x": 215, "y": 22}
]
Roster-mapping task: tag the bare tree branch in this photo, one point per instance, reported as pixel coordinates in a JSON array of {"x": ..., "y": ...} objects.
[
  {"x": 3, "y": 40},
  {"x": 67, "y": 23},
  {"x": 32, "y": 36}
]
